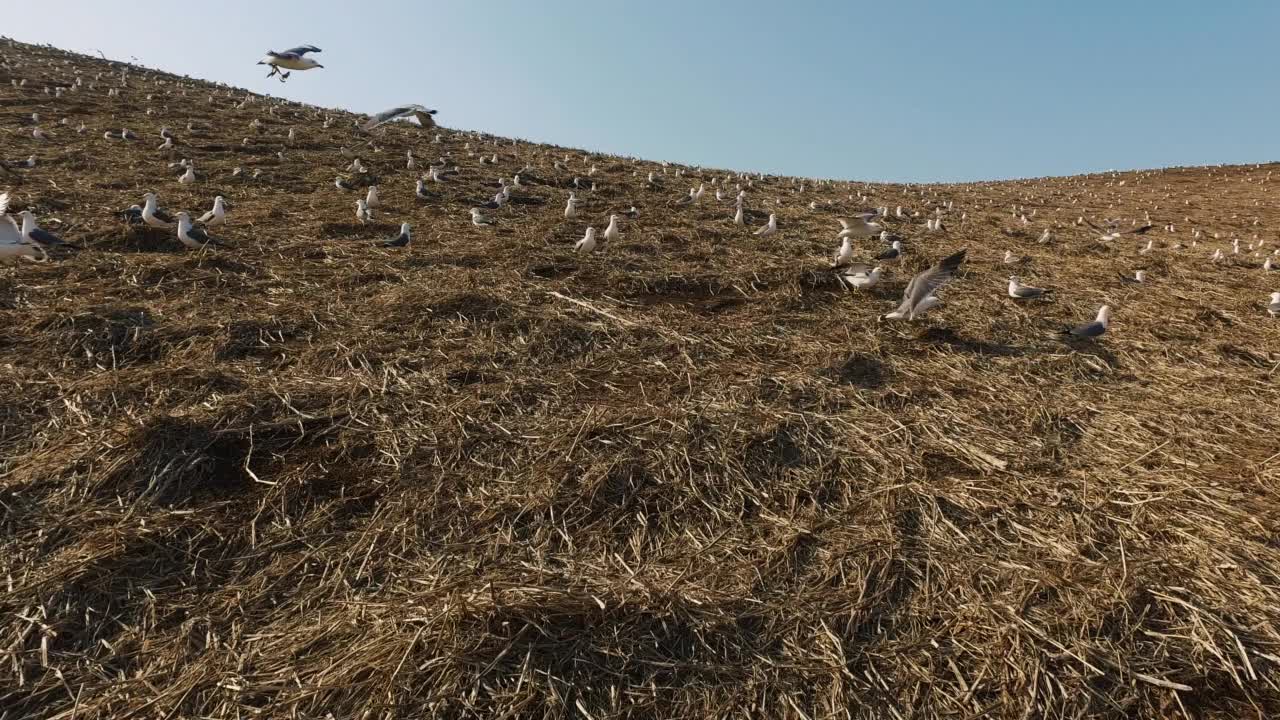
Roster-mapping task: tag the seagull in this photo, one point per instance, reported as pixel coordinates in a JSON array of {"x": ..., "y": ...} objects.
[
  {"x": 860, "y": 226},
  {"x": 30, "y": 162},
  {"x": 860, "y": 276},
  {"x": 401, "y": 240},
  {"x": 132, "y": 215},
  {"x": 418, "y": 112},
  {"x": 1018, "y": 291},
  {"x": 153, "y": 215},
  {"x": 371, "y": 199},
  {"x": 587, "y": 243},
  {"x": 33, "y": 235},
  {"x": 189, "y": 176},
  {"x": 1274, "y": 306},
  {"x": 612, "y": 233},
  {"x": 892, "y": 253},
  {"x": 1045, "y": 237},
  {"x": 478, "y": 218},
  {"x": 12, "y": 244},
  {"x": 420, "y": 191},
  {"x": 363, "y": 213},
  {"x": 291, "y": 59},
  {"x": 191, "y": 236},
  {"x": 571, "y": 207},
  {"x": 919, "y": 297},
  {"x": 1138, "y": 277},
  {"x": 769, "y": 229},
  {"x": 216, "y": 216},
  {"x": 738, "y": 218},
  {"x": 1011, "y": 259},
  {"x": 844, "y": 254},
  {"x": 343, "y": 184},
  {"x": 1093, "y": 329},
  {"x": 632, "y": 212}
]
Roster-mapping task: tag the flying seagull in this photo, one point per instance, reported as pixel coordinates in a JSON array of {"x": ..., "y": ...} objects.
[
  {"x": 419, "y": 112},
  {"x": 919, "y": 296},
  {"x": 1093, "y": 329},
  {"x": 291, "y": 59},
  {"x": 860, "y": 226}
]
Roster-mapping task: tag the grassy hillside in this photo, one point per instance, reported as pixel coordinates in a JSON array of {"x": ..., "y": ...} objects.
[{"x": 688, "y": 475}]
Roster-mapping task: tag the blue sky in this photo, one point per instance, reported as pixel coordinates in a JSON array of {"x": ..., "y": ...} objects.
[{"x": 911, "y": 90}]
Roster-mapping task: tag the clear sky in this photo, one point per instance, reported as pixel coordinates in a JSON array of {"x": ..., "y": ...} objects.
[{"x": 891, "y": 90}]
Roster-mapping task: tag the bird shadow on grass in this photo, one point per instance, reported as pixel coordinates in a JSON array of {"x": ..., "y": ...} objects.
[{"x": 952, "y": 340}]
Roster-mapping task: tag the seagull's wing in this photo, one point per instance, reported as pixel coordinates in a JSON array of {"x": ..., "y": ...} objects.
[
  {"x": 1139, "y": 231},
  {"x": 301, "y": 50},
  {"x": 205, "y": 217},
  {"x": 425, "y": 118},
  {"x": 10, "y": 234},
  {"x": 1023, "y": 292},
  {"x": 925, "y": 283},
  {"x": 46, "y": 238},
  {"x": 852, "y": 268},
  {"x": 1088, "y": 330},
  {"x": 199, "y": 235},
  {"x": 1089, "y": 222},
  {"x": 162, "y": 216}
]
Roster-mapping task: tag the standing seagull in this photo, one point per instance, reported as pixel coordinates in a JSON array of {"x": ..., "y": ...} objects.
[
  {"x": 153, "y": 215},
  {"x": 216, "y": 216},
  {"x": 893, "y": 253},
  {"x": 401, "y": 240},
  {"x": 1018, "y": 291},
  {"x": 1093, "y": 329},
  {"x": 769, "y": 229},
  {"x": 1274, "y": 306},
  {"x": 371, "y": 198},
  {"x": 587, "y": 243},
  {"x": 32, "y": 234},
  {"x": 193, "y": 237},
  {"x": 612, "y": 232},
  {"x": 291, "y": 59},
  {"x": 363, "y": 213},
  {"x": 418, "y": 112},
  {"x": 844, "y": 254},
  {"x": 12, "y": 245},
  {"x": 919, "y": 296}
]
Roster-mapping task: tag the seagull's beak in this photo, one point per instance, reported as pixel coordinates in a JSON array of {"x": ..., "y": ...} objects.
[{"x": 319, "y": 66}]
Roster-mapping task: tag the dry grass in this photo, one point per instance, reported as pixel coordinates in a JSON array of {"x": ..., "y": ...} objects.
[{"x": 686, "y": 477}]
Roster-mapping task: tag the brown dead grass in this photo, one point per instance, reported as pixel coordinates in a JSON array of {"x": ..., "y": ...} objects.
[{"x": 684, "y": 477}]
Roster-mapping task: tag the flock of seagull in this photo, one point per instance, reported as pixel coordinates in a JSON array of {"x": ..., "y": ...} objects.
[{"x": 29, "y": 241}]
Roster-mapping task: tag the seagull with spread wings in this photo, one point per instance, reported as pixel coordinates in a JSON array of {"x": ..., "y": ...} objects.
[
  {"x": 291, "y": 59},
  {"x": 919, "y": 295},
  {"x": 418, "y": 112}
]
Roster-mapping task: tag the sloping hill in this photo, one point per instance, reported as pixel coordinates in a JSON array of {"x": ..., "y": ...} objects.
[{"x": 685, "y": 476}]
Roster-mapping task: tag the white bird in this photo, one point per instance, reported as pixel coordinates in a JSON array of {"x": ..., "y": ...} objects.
[
  {"x": 363, "y": 213},
  {"x": 859, "y": 276},
  {"x": 417, "y": 112},
  {"x": 892, "y": 253},
  {"x": 860, "y": 226},
  {"x": 738, "y": 218},
  {"x": 844, "y": 254},
  {"x": 371, "y": 198},
  {"x": 291, "y": 59},
  {"x": 32, "y": 234},
  {"x": 571, "y": 207},
  {"x": 421, "y": 191},
  {"x": 612, "y": 233},
  {"x": 919, "y": 294},
  {"x": 1045, "y": 237},
  {"x": 1274, "y": 306},
  {"x": 409, "y": 162},
  {"x": 341, "y": 184},
  {"x": 1018, "y": 291},
  {"x": 401, "y": 240},
  {"x": 769, "y": 229},
  {"x": 216, "y": 216},
  {"x": 12, "y": 245},
  {"x": 587, "y": 243},
  {"x": 189, "y": 176},
  {"x": 153, "y": 215},
  {"x": 1093, "y": 329},
  {"x": 193, "y": 237},
  {"x": 478, "y": 218}
]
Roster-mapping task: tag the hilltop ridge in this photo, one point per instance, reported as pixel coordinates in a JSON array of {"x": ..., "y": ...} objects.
[{"x": 687, "y": 475}]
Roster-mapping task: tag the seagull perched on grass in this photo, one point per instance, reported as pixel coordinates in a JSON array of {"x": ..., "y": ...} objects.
[
  {"x": 153, "y": 215},
  {"x": 417, "y": 112},
  {"x": 1018, "y": 291},
  {"x": 893, "y": 253},
  {"x": 342, "y": 184},
  {"x": 363, "y": 213},
  {"x": 291, "y": 59},
  {"x": 420, "y": 191},
  {"x": 859, "y": 276},
  {"x": 612, "y": 232},
  {"x": 587, "y": 243},
  {"x": 479, "y": 219},
  {"x": 1274, "y": 306},
  {"x": 844, "y": 254},
  {"x": 191, "y": 236},
  {"x": 919, "y": 295},
  {"x": 401, "y": 240},
  {"x": 1138, "y": 277},
  {"x": 769, "y": 229},
  {"x": 1093, "y": 329},
  {"x": 371, "y": 198},
  {"x": 216, "y": 216},
  {"x": 12, "y": 244},
  {"x": 32, "y": 234}
]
